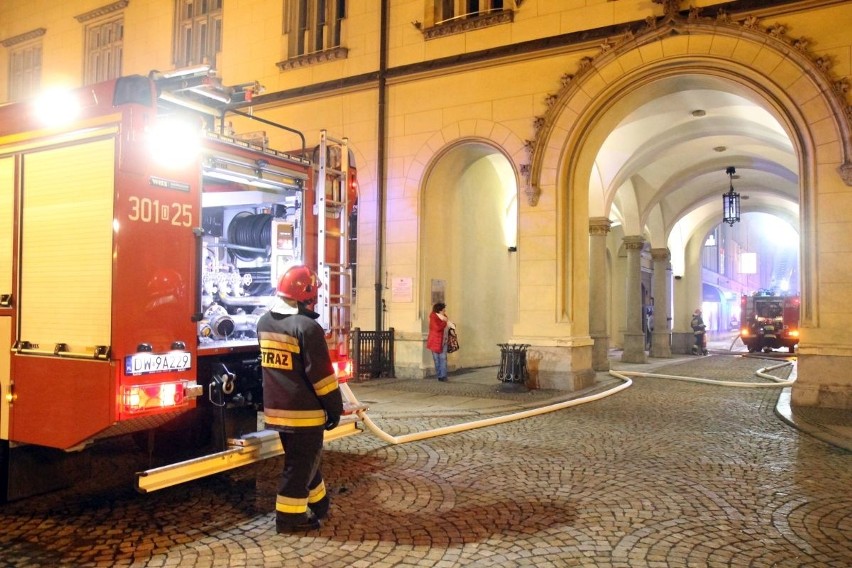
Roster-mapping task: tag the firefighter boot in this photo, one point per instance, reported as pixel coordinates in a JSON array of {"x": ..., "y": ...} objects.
[
  {"x": 320, "y": 508},
  {"x": 292, "y": 523}
]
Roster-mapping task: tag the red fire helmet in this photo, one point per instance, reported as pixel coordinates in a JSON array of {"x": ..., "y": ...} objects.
[{"x": 301, "y": 284}]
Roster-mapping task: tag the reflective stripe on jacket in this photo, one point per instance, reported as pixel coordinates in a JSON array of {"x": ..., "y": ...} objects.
[{"x": 299, "y": 382}]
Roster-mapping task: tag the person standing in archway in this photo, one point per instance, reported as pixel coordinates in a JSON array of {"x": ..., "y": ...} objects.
[
  {"x": 649, "y": 327},
  {"x": 436, "y": 341},
  {"x": 699, "y": 331}
]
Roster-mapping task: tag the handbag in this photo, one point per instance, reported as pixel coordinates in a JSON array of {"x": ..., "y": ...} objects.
[{"x": 452, "y": 341}]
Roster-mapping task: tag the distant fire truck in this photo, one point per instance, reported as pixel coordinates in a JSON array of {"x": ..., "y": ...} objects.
[
  {"x": 139, "y": 245},
  {"x": 769, "y": 321}
]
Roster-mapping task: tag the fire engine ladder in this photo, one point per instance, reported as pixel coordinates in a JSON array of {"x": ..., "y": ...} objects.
[{"x": 335, "y": 296}]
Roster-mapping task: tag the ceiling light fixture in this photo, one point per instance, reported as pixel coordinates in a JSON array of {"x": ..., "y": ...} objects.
[{"x": 731, "y": 201}]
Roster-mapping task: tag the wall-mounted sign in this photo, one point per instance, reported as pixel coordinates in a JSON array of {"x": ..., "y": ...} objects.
[{"x": 402, "y": 289}]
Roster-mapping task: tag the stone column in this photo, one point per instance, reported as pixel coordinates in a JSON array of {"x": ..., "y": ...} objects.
[
  {"x": 661, "y": 338},
  {"x": 598, "y": 229},
  {"x": 634, "y": 337}
]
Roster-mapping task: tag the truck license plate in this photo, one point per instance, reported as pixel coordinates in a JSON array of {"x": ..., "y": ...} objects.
[{"x": 143, "y": 363}]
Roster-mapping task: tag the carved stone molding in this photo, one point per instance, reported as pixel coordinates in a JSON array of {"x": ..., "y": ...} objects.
[
  {"x": 102, "y": 11},
  {"x": 661, "y": 254},
  {"x": 845, "y": 171},
  {"x": 672, "y": 21},
  {"x": 313, "y": 58},
  {"x": 458, "y": 26},
  {"x": 599, "y": 226},
  {"x": 24, "y": 37},
  {"x": 634, "y": 242},
  {"x": 531, "y": 191}
]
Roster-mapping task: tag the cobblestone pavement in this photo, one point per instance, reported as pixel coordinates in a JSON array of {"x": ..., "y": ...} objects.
[{"x": 664, "y": 473}]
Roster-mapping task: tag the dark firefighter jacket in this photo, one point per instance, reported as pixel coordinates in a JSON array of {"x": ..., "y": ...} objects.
[{"x": 299, "y": 383}]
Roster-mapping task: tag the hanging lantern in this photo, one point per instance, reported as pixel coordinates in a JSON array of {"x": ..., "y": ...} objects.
[{"x": 731, "y": 201}]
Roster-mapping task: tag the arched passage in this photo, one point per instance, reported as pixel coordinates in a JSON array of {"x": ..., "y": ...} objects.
[
  {"x": 758, "y": 65},
  {"x": 468, "y": 247}
]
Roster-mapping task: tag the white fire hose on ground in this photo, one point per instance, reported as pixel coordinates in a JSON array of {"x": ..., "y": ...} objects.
[
  {"x": 624, "y": 376},
  {"x": 384, "y": 436},
  {"x": 763, "y": 373}
]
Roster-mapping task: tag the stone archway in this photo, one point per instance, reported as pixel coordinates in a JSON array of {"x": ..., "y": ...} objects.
[
  {"x": 468, "y": 251},
  {"x": 792, "y": 85}
]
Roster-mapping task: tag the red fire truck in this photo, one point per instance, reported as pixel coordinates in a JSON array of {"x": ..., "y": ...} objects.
[
  {"x": 769, "y": 321},
  {"x": 139, "y": 244}
]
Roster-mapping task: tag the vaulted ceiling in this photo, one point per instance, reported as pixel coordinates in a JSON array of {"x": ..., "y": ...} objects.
[{"x": 661, "y": 170}]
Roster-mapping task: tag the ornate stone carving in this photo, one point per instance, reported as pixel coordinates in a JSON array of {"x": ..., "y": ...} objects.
[
  {"x": 845, "y": 171},
  {"x": 530, "y": 190},
  {"x": 661, "y": 254},
  {"x": 533, "y": 193},
  {"x": 824, "y": 63},
  {"x": 675, "y": 21},
  {"x": 313, "y": 58},
  {"x": 21, "y": 38},
  {"x": 102, "y": 11},
  {"x": 777, "y": 31},
  {"x": 599, "y": 226},
  {"x": 467, "y": 24},
  {"x": 801, "y": 44},
  {"x": 670, "y": 7},
  {"x": 634, "y": 242},
  {"x": 751, "y": 22},
  {"x": 585, "y": 63}
]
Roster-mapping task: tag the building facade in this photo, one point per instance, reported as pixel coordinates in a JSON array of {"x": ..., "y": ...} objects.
[{"x": 544, "y": 168}]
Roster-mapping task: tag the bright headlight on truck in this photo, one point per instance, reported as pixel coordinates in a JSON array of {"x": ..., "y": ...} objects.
[
  {"x": 174, "y": 143},
  {"x": 57, "y": 107}
]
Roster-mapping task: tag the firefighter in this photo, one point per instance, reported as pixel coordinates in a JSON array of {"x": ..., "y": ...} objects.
[
  {"x": 301, "y": 397},
  {"x": 698, "y": 330}
]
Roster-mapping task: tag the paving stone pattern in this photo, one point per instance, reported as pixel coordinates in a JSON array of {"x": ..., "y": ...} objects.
[{"x": 665, "y": 473}]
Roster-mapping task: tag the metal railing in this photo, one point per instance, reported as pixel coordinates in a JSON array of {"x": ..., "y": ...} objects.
[{"x": 372, "y": 354}]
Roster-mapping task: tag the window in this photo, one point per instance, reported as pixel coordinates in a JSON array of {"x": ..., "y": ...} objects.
[
  {"x": 447, "y": 10},
  {"x": 104, "y": 44},
  {"x": 198, "y": 37},
  {"x": 104, "y": 41},
  {"x": 24, "y": 63},
  {"x": 448, "y": 17},
  {"x": 312, "y": 25},
  {"x": 24, "y": 71}
]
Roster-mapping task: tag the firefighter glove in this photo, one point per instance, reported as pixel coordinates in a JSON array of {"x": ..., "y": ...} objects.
[{"x": 332, "y": 420}]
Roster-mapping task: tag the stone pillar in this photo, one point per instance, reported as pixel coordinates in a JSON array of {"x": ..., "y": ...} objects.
[
  {"x": 634, "y": 337},
  {"x": 598, "y": 229},
  {"x": 661, "y": 338}
]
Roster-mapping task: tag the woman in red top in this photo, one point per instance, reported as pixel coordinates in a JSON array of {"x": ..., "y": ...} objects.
[{"x": 436, "y": 341}]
